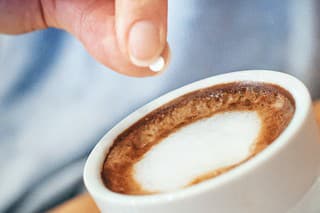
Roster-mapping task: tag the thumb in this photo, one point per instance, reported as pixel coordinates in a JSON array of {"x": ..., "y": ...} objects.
[{"x": 141, "y": 28}]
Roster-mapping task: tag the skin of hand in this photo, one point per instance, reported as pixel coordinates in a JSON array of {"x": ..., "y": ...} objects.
[{"x": 124, "y": 35}]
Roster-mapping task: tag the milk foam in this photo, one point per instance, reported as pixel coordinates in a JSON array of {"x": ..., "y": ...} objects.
[{"x": 196, "y": 149}]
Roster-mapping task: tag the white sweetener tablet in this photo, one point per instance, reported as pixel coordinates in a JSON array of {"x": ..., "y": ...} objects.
[{"x": 158, "y": 65}]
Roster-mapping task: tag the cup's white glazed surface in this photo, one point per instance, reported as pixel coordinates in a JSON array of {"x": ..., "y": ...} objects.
[{"x": 273, "y": 181}]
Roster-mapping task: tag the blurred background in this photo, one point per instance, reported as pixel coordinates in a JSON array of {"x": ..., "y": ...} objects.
[{"x": 56, "y": 102}]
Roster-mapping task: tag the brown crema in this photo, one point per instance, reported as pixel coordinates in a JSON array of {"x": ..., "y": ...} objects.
[{"x": 274, "y": 105}]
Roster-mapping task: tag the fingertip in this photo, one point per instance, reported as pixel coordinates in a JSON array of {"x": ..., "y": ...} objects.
[
  {"x": 151, "y": 70},
  {"x": 141, "y": 28}
]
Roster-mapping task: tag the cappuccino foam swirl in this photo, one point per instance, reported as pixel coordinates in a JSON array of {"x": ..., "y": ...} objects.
[
  {"x": 197, "y": 136},
  {"x": 201, "y": 147}
]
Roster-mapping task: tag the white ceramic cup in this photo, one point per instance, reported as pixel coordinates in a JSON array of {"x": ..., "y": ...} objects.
[{"x": 273, "y": 181}]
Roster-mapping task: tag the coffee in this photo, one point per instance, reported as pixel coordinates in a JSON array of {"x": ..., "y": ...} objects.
[{"x": 197, "y": 136}]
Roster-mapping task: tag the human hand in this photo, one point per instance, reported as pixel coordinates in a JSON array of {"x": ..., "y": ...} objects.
[{"x": 125, "y": 35}]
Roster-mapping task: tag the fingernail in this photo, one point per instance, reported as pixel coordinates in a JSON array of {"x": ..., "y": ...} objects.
[{"x": 144, "y": 43}]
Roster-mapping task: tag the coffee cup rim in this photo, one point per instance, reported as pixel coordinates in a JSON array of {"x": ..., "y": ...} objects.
[{"x": 93, "y": 166}]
